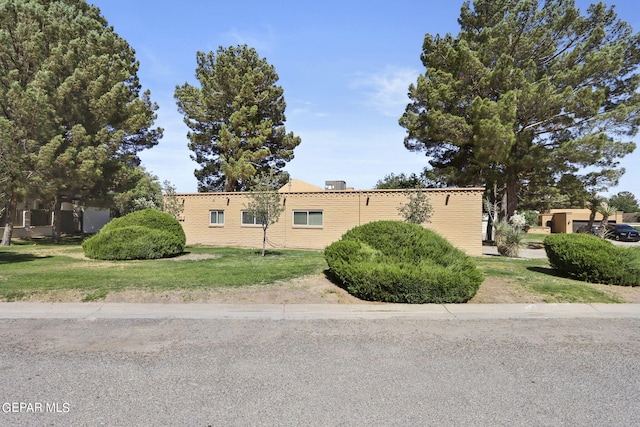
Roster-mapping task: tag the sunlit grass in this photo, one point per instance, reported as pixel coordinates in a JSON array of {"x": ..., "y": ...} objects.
[
  {"x": 536, "y": 277},
  {"x": 27, "y": 269},
  {"x": 31, "y": 268}
]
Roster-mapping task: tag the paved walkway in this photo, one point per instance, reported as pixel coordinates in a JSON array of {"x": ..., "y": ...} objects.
[
  {"x": 90, "y": 311},
  {"x": 540, "y": 253},
  {"x": 524, "y": 252}
]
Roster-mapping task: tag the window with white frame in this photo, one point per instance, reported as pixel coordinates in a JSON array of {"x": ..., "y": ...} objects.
[
  {"x": 216, "y": 217},
  {"x": 248, "y": 218},
  {"x": 308, "y": 218}
]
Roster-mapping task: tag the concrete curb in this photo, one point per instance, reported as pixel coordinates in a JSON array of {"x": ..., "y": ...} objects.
[{"x": 92, "y": 311}]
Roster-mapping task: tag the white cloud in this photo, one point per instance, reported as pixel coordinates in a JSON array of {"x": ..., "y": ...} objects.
[
  {"x": 263, "y": 39},
  {"x": 386, "y": 91},
  {"x": 299, "y": 108}
]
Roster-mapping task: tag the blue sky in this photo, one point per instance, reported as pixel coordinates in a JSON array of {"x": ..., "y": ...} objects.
[{"x": 345, "y": 67}]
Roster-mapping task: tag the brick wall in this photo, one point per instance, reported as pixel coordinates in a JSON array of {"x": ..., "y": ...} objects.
[{"x": 457, "y": 216}]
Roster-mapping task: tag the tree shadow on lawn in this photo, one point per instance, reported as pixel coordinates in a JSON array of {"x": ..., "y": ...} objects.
[
  {"x": 12, "y": 257},
  {"x": 547, "y": 270},
  {"x": 71, "y": 240},
  {"x": 268, "y": 253}
]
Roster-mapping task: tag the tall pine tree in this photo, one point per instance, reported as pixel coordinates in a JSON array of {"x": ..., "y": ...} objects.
[
  {"x": 71, "y": 109},
  {"x": 525, "y": 94},
  {"x": 236, "y": 119}
]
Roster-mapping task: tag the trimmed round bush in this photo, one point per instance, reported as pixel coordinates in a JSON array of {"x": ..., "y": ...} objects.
[
  {"x": 392, "y": 261},
  {"x": 145, "y": 234},
  {"x": 132, "y": 242},
  {"x": 150, "y": 218},
  {"x": 593, "y": 259}
]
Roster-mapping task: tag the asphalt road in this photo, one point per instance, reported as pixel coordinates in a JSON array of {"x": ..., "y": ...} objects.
[{"x": 261, "y": 372}]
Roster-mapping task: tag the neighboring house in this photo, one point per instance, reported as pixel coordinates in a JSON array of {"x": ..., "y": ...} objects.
[
  {"x": 32, "y": 219},
  {"x": 568, "y": 220},
  {"x": 314, "y": 217}
]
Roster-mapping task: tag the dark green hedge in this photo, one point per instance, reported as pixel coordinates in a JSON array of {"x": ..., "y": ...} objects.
[
  {"x": 145, "y": 234},
  {"x": 133, "y": 242},
  {"x": 150, "y": 218},
  {"x": 593, "y": 259},
  {"x": 392, "y": 261}
]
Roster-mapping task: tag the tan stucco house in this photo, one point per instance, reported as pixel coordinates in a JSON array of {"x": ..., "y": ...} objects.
[
  {"x": 568, "y": 220},
  {"x": 314, "y": 217}
]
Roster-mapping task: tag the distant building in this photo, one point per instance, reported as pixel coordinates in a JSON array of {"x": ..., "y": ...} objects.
[{"x": 569, "y": 220}]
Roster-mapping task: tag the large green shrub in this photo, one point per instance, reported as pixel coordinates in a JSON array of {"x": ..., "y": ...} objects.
[
  {"x": 593, "y": 259},
  {"x": 133, "y": 242},
  {"x": 150, "y": 218},
  {"x": 145, "y": 234},
  {"x": 393, "y": 261}
]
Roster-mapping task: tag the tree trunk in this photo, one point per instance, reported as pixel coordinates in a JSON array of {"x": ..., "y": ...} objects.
[
  {"x": 55, "y": 227},
  {"x": 264, "y": 240},
  {"x": 493, "y": 215},
  {"x": 489, "y": 231},
  {"x": 594, "y": 204},
  {"x": 8, "y": 226},
  {"x": 512, "y": 197},
  {"x": 495, "y": 202},
  {"x": 592, "y": 219},
  {"x": 603, "y": 224},
  {"x": 230, "y": 184}
]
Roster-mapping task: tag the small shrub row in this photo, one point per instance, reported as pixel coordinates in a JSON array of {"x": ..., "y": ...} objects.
[
  {"x": 593, "y": 259},
  {"x": 392, "y": 261},
  {"x": 146, "y": 234}
]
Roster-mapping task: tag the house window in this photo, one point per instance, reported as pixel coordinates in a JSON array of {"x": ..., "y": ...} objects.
[
  {"x": 248, "y": 218},
  {"x": 216, "y": 217},
  {"x": 308, "y": 218}
]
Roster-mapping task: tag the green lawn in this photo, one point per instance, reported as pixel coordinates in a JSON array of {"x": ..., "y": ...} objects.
[
  {"x": 27, "y": 268},
  {"x": 535, "y": 276}
]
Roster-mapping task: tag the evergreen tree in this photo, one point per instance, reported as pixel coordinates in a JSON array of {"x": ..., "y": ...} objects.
[
  {"x": 393, "y": 181},
  {"x": 12, "y": 174},
  {"x": 71, "y": 110},
  {"x": 236, "y": 119},
  {"x": 526, "y": 93},
  {"x": 625, "y": 201}
]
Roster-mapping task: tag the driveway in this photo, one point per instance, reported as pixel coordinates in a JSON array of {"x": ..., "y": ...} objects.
[
  {"x": 540, "y": 253},
  {"x": 625, "y": 244}
]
